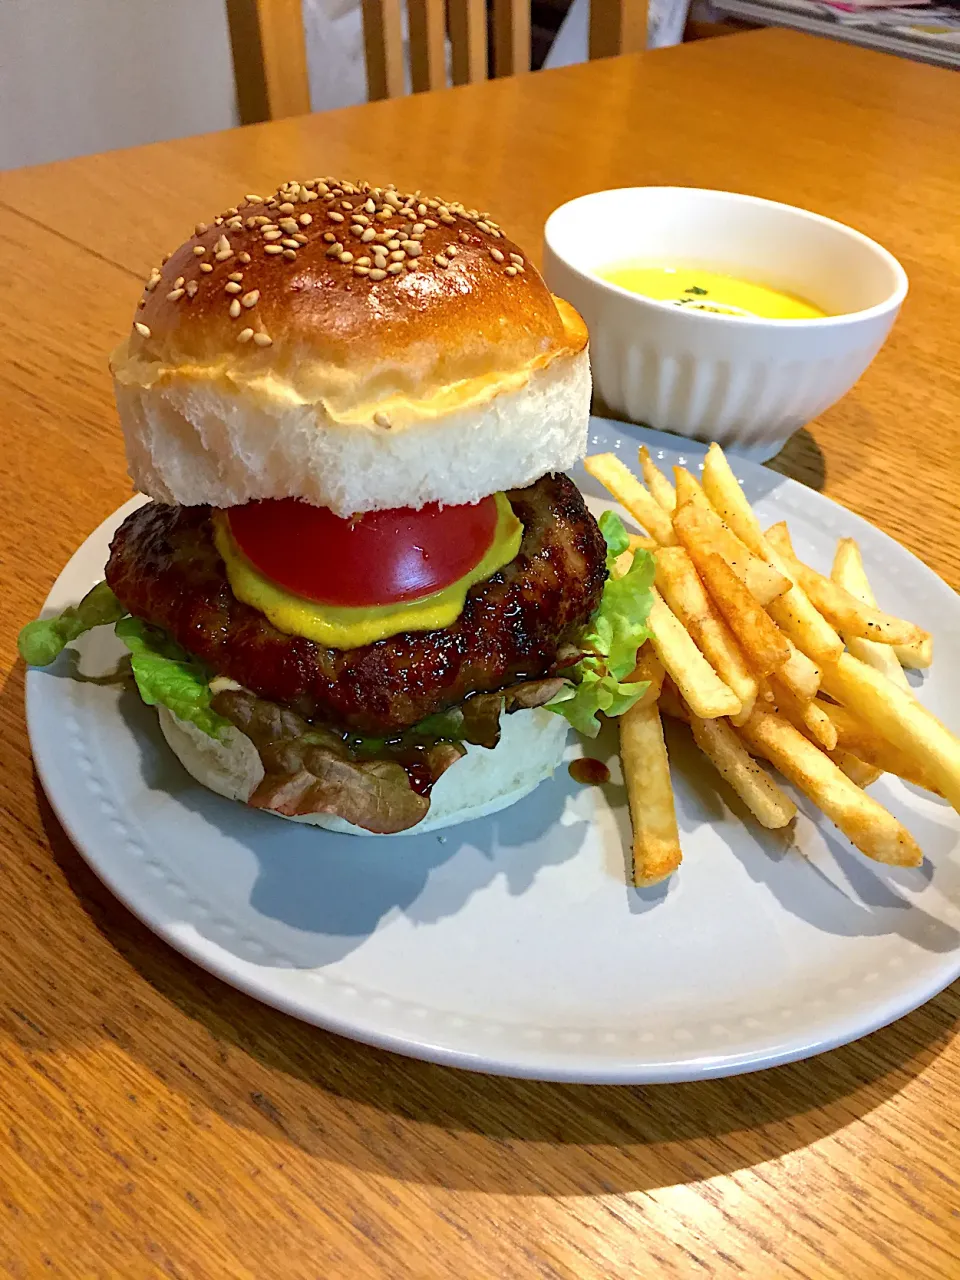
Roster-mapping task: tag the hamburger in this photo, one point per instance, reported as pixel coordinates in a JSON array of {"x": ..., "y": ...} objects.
[{"x": 363, "y": 593}]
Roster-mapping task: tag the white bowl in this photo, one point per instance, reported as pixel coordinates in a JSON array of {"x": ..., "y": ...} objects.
[{"x": 746, "y": 382}]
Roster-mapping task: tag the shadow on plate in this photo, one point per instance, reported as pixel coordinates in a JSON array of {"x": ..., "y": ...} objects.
[{"x": 318, "y": 895}]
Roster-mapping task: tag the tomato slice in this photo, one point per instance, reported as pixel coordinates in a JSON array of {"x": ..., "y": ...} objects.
[{"x": 380, "y": 557}]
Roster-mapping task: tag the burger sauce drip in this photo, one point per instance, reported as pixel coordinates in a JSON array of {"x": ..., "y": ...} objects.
[{"x": 588, "y": 771}]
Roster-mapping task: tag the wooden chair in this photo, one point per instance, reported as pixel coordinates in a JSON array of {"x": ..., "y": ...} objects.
[{"x": 270, "y": 60}]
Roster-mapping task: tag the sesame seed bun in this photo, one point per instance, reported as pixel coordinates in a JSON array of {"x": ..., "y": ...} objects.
[{"x": 353, "y": 346}]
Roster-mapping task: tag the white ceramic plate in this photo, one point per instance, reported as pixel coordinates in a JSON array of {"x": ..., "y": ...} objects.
[{"x": 512, "y": 944}]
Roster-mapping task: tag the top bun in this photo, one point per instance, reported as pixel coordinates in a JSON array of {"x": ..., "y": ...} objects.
[{"x": 352, "y": 346}]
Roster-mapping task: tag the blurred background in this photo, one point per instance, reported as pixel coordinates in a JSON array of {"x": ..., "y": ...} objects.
[{"x": 80, "y": 76}]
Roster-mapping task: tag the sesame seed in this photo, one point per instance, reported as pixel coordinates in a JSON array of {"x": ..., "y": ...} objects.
[
  {"x": 382, "y": 420},
  {"x": 519, "y": 269},
  {"x": 244, "y": 258},
  {"x": 356, "y": 229},
  {"x": 515, "y": 257},
  {"x": 334, "y": 216},
  {"x": 289, "y": 225},
  {"x": 496, "y": 255},
  {"x": 254, "y": 199},
  {"x": 273, "y": 235},
  {"x": 287, "y": 207},
  {"x": 236, "y": 276},
  {"x": 380, "y": 262},
  {"x": 289, "y": 254},
  {"x": 250, "y": 299},
  {"x": 447, "y": 219},
  {"x": 299, "y": 239},
  {"x": 413, "y": 249},
  {"x": 192, "y": 288},
  {"x": 393, "y": 244},
  {"x": 142, "y": 329},
  {"x": 200, "y": 228},
  {"x": 363, "y": 262},
  {"x": 431, "y": 223},
  {"x": 360, "y": 269},
  {"x": 397, "y": 255},
  {"x": 305, "y": 219},
  {"x": 141, "y": 303},
  {"x": 234, "y": 308},
  {"x": 464, "y": 237},
  {"x": 198, "y": 250},
  {"x": 175, "y": 295},
  {"x": 290, "y": 244},
  {"x": 394, "y": 268},
  {"x": 232, "y": 287},
  {"x": 223, "y": 255},
  {"x": 263, "y": 339},
  {"x": 272, "y": 248},
  {"x": 346, "y": 257},
  {"x": 411, "y": 266},
  {"x": 244, "y": 335},
  {"x": 419, "y": 228},
  {"x": 329, "y": 237},
  {"x": 441, "y": 261},
  {"x": 222, "y": 243},
  {"x": 370, "y": 206},
  {"x": 206, "y": 267},
  {"x": 451, "y": 250},
  {"x": 483, "y": 226}
]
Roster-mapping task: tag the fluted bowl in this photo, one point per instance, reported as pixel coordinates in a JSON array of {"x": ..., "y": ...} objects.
[{"x": 745, "y": 381}]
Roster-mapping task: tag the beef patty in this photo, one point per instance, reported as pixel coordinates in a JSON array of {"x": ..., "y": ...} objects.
[{"x": 165, "y": 569}]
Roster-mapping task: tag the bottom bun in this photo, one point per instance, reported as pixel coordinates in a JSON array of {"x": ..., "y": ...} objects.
[{"x": 530, "y": 748}]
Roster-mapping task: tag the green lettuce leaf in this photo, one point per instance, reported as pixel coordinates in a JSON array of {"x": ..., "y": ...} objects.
[
  {"x": 42, "y": 641},
  {"x": 617, "y": 630},
  {"x": 166, "y": 675}
]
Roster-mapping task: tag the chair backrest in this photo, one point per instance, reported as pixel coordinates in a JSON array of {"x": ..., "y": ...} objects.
[
  {"x": 616, "y": 26},
  {"x": 270, "y": 60}
]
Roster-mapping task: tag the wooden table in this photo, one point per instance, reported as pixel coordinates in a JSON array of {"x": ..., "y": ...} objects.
[{"x": 157, "y": 1123}]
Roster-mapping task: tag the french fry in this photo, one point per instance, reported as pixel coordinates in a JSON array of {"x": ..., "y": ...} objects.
[
  {"x": 899, "y": 718},
  {"x": 763, "y": 645},
  {"x": 862, "y": 740},
  {"x": 857, "y": 770},
  {"x": 758, "y": 791},
  {"x": 729, "y": 501},
  {"x": 693, "y": 675},
  {"x": 689, "y": 490},
  {"x": 658, "y": 484},
  {"x": 841, "y": 609},
  {"x": 681, "y": 588},
  {"x": 623, "y": 485},
  {"x": 807, "y": 716},
  {"x": 698, "y": 527},
  {"x": 916, "y": 656},
  {"x": 792, "y": 611},
  {"x": 799, "y": 673},
  {"x": 639, "y": 543},
  {"x": 866, "y": 823},
  {"x": 646, "y": 772},
  {"x": 848, "y": 572}
]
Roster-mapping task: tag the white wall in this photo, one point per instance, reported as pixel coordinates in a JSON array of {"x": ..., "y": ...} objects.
[{"x": 78, "y": 76}]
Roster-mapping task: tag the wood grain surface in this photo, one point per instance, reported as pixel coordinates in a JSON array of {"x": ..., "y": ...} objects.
[{"x": 154, "y": 1122}]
